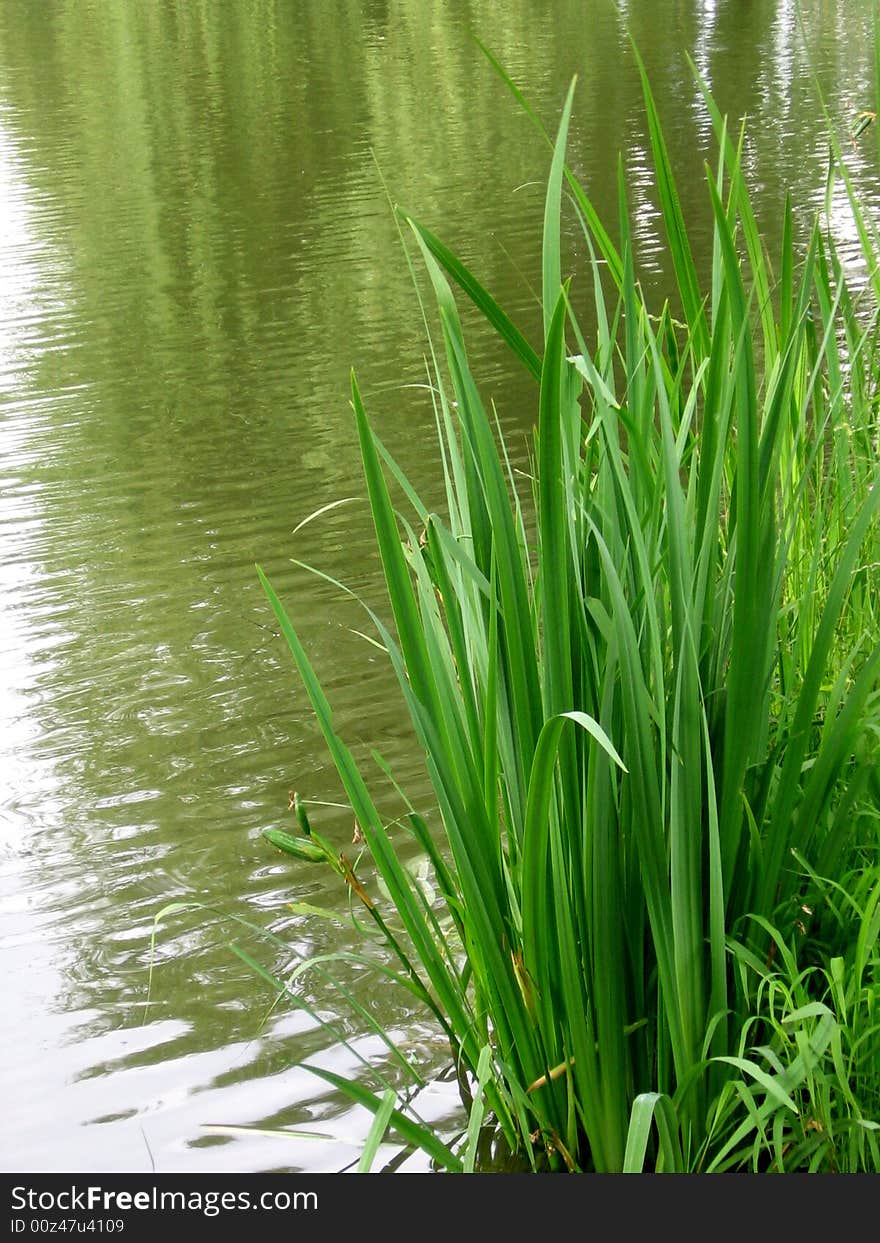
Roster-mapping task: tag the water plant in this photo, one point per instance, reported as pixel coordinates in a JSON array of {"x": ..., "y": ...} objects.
[{"x": 648, "y": 696}]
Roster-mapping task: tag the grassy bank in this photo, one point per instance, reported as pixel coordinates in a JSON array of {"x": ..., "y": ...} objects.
[{"x": 648, "y": 693}]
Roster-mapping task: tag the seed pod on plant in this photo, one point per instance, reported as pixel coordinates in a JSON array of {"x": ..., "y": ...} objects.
[{"x": 300, "y": 847}]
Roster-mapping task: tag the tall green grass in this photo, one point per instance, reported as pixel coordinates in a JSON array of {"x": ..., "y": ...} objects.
[{"x": 648, "y": 696}]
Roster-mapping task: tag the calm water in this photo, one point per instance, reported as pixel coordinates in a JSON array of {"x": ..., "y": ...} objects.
[{"x": 195, "y": 248}]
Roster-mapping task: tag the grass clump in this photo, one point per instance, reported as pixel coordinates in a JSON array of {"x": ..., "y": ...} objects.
[{"x": 649, "y": 701}]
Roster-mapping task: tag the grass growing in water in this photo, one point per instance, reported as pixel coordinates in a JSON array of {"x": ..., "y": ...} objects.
[{"x": 653, "y": 736}]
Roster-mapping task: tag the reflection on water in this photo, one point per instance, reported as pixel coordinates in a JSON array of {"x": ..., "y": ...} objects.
[{"x": 195, "y": 247}]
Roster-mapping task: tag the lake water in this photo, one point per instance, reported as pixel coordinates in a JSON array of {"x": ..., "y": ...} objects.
[{"x": 196, "y": 246}]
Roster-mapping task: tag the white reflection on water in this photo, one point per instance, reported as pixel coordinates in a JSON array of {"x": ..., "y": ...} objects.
[{"x": 22, "y": 297}]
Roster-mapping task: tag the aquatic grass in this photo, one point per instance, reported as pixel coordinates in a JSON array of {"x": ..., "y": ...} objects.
[
  {"x": 820, "y": 1042},
  {"x": 649, "y": 707}
]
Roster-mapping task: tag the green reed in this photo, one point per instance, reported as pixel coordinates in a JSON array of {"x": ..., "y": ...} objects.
[{"x": 652, "y": 728}]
